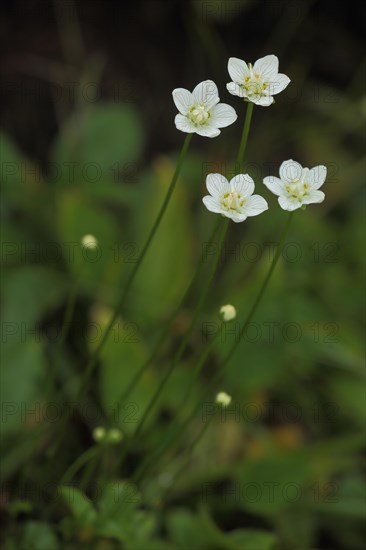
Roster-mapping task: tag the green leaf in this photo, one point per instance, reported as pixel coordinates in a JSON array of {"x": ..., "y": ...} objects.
[
  {"x": 167, "y": 267},
  {"x": 79, "y": 505},
  {"x": 119, "y": 516},
  {"x": 38, "y": 536},
  {"x": 248, "y": 539},
  {"x": 102, "y": 141},
  {"x": 79, "y": 216}
]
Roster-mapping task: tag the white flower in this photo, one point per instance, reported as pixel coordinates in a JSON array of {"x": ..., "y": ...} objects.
[
  {"x": 258, "y": 83},
  {"x": 223, "y": 399},
  {"x": 233, "y": 199},
  {"x": 228, "y": 312},
  {"x": 201, "y": 112},
  {"x": 297, "y": 186},
  {"x": 89, "y": 241}
]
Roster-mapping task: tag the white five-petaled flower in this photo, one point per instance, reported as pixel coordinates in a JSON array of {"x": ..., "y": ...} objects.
[
  {"x": 233, "y": 199},
  {"x": 297, "y": 186},
  {"x": 257, "y": 83},
  {"x": 201, "y": 112}
]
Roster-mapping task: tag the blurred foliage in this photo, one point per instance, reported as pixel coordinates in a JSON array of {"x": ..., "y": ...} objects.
[{"x": 282, "y": 467}]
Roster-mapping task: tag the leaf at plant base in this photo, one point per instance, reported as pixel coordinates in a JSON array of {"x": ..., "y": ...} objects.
[
  {"x": 248, "y": 539},
  {"x": 184, "y": 529},
  {"x": 38, "y": 536},
  {"x": 119, "y": 515},
  {"x": 80, "y": 506}
]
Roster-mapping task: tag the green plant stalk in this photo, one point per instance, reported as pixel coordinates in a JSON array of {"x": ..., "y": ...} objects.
[
  {"x": 239, "y": 162},
  {"x": 245, "y": 135},
  {"x": 182, "y": 347},
  {"x": 224, "y": 227},
  {"x": 188, "y": 455},
  {"x": 262, "y": 290},
  {"x": 163, "y": 336},
  {"x": 83, "y": 459},
  {"x": 94, "y": 358},
  {"x": 171, "y": 435}
]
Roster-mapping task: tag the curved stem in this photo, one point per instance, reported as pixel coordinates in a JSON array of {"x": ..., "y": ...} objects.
[
  {"x": 224, "y": 227},
  {"x": 184, "y": 343},
  {"x": 137, "y": 265},
  {"x": 171, "y": 435},
  {"x": 160, "y": 341},
  {"x": 94, "y": 358},
  {"x": 261, "y": 291},
  {"x": 188, "y": 454},
  {"x": 83, "y": 459}
]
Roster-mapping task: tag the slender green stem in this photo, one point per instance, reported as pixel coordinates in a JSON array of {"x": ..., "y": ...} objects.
[
  {"x": 185, "y": 340},
  {"x": 261, "y": 291},
  {"x": 83, "y": 459},
  {"x": 94, "y": 358},
  {"x": 224, "y": 227},
  {"x": 171, "y": 434},
  {"x": 204, "y": 355},
  {"x": 163, "y": 335},
  {"x": 138, "y": 263},
  {"x": 187, "y": 457},
  {"x": 245, "y": 134}
]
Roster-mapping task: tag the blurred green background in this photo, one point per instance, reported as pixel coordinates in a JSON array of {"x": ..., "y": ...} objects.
[{"x": 88, "y": 146}]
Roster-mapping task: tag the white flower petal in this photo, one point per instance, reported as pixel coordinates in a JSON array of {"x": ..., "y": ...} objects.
[
  {"x": 255, "y": 205},
  {"x": 243, "y": 184},
  {"x": 206, "y": 93},
  {"x": 235, "y": 216},
  {"x": 207, "y": 131},
  {"x": 263, "y": 101},
  {"x": 238, "y": 69},
  {"x": 266, "y": 66},
  {"x": 314, "y": 197},
  {"x": 217, "y": 185},
  {"x": 211, "y": 204},
  {"x": 278, "y": 83},
  {"x": 222, "y": 115},
  {"x": 289, "y": 203},
  {"x": 275, "y": 185},
  {"x": 316, "y": 176},
  {"x": 291, "y": 171},
  {"x": 183, "y": 124},
  {"x": 234, "y": 89},
  {"x": 183, "y": 100}
]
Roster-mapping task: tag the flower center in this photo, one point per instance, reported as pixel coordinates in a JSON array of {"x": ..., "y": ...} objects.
[
  {"x": 199, "y": 114},
  {"x": 232, "y": 201},
  {"x": 298, "y": 189},
  {"x": 254, "y": 84}
]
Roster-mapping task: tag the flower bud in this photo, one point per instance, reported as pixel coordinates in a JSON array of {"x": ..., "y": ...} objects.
[
  {"x": 223, "y": 399},
  {"x": 99, "y": 434},
  {"x": 89, "y": 241},
  {"x": 228, "y": 312}
]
